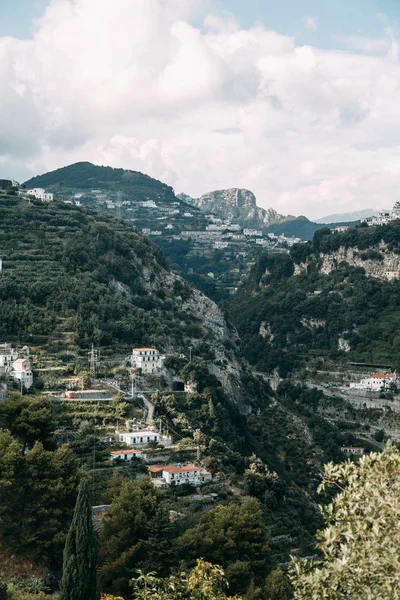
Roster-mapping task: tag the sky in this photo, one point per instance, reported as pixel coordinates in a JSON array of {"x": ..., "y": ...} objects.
[{"x": 296, "y": 100}]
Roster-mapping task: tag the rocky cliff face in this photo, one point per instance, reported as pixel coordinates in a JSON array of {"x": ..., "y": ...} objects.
[
  {"x": 385, "y": 266},
  {"x": 236, "y": 204}
]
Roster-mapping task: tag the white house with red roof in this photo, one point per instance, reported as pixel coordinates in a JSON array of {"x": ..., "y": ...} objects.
[
  {"x": 149, "y": 360},
  {"x": 126, "y": 454},
  {"x": 170, "y": 475},
  {"x": 376, "y": 382}
]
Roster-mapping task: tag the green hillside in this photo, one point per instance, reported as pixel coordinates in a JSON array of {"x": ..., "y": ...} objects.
[
  {"x": 72, "y": 273},
  {"x": 287, "y": 320},
  {"x": 85, "y": 176},
  {"x": 302, "y": 228}
]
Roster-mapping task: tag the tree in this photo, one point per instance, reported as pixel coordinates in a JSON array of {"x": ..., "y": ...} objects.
[
  {"x": 80, "y": 552},
  {"x": 3, "y": 591},
  {"x": 362, "y": 536},
  {"x": 277, "y": 586},
  {"x": 134, "y": 518},
  {"x": 205, "y": 582},
  {"x": 37, "y": 496},
  {"x": 233, "y": 536},
  {"x": 28, "y": 419}
]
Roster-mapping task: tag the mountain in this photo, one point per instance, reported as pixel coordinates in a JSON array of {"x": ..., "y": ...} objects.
[
  {"x": 84, "y": 177},
  {"x": 335, "y": 298},
  {"x": 239, "y": 205},
  {"x": 350, "y": 216},
  {"x": 81, "y": 277}
]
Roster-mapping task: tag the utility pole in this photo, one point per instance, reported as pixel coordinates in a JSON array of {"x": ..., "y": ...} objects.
[{"x": 93, "y": 360}]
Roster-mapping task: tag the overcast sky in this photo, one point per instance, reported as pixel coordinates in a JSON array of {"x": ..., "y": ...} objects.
[{"x": 296, "y": 100}]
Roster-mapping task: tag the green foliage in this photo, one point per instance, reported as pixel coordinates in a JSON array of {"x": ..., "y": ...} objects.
[
  {"x": 80, "y": 552},
  {"x": 234, "y": 536},
  {"x": 278, "y": 586},
  {"x": 204, "y": 582},
  {"x": 86, "y": 176},
  {"x": 29, "y": 420},
  {"x": 3, "y": 586},
  {"x": 81, "y": 275},
  {"x": 134, "y": 526},
  {"x": 37, "y": 496},
  {"x": 361, "y": 539},
  {"x": 284, "y": 320}
]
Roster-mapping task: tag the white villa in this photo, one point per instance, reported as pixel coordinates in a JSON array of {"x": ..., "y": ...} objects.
[
  {"x": 149, "y": 360},
  {"x": 7, "y": 356},
  {"x": 178, "y": 475},
  {"x": 140, "y": 438},
  {"x": 40, "y": 194},
  {"x": 126, "y": 454},
  {"x": 22, "y": 371},
  {"x": 376, "y": 382},
  {"x": 384, "y": 217}
]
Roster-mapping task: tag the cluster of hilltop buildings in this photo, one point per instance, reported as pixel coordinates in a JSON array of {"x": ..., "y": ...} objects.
[
  {"x": 16, "y": 366},
  {"x": 383, "y": 218}
]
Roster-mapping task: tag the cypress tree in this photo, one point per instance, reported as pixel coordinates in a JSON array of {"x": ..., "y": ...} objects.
[{"x": 80, "y": 552}]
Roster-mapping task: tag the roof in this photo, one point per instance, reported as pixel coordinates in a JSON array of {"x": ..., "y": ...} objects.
[
  {"x": 352, "y": 448},
  {"x": 173, "y": 469},
  {"x": 139, "y": 433},
  {"x": 382, "y": 376},
  {"x": 138, "y": 349},
  {"x": 119, "y": 452}
]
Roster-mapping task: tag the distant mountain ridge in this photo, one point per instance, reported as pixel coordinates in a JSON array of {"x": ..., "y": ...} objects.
[
  {"x": 237, "y": 204},
  {"x": 350, "y": 216}
]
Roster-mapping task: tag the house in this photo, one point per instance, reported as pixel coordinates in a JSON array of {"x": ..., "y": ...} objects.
[
  {"x": 341, "y": 228},
  {"x": 177, "y": 475},
  {"x": 141, "y": 438},
  {"x": 126, "y": 454},
  {"x": 149, "y": 360},
  {"x": 352, "y": 450},
  {"x": 7, "y": 356},
  {"x": 21, "y": 371},
  {"x": 376, "y": 382},
  {"x": 40, "y": 194},
  {"x": 252, "y": 232}
]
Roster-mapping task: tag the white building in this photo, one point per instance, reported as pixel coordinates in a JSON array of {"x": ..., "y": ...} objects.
[
  {"x": 126, "y": 454},
  {"x": 384, "y": 217},
  {"x": 40, "y": 194},
  {"x": 352, "y": 450},
  {"x": 376, "y": 382},
  {"x": 147, "y": 359},
  {"x": 251, "y": 232},
  {"x": 178, "y": 475},
  {"x": 148, "y": 204},
  {"x": 7, "y": 356},
  {"x": 220, "y": 245},
  {"x": 140, "y": 438},
  {"x": 22, "y": 371}
]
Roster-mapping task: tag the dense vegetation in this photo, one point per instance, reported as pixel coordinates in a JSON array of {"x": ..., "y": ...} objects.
[
  {"x": 73, "y": 276},
  {"x": 86, "y": 176},
  {"x": 285, "y": 320},
  {"x": 76, "y": 274},
  {"x": 360, "y": 541}
]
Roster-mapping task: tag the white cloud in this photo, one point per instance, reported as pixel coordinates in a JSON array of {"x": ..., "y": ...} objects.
[
  {"x": 137, "y": 85},
  {"x": 310, "y": 23}
]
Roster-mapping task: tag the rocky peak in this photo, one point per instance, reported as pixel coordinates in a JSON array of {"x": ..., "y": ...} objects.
[{"x": 237, "y": 204}]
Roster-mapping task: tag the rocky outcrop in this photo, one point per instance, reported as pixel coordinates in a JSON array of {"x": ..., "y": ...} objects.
[
  {"x": 236, "y": 204},
  {"x": 385, "y": 265}
]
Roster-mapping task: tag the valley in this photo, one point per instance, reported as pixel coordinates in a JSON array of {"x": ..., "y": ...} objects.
[{"x": 196, "y": 413}]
